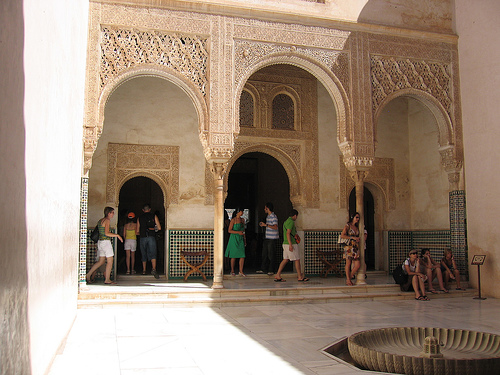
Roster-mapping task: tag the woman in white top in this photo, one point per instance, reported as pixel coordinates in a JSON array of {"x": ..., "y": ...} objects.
[{"x": 416, "y": 279}]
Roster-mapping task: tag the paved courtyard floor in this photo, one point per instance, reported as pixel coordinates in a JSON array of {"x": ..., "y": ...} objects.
[{"x": 251, "y": 339}]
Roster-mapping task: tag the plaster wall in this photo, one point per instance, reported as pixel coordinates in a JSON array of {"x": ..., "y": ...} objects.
[
  {"x": 478, "y": 29},
  {"x": 428, "y": 179},
  {"x": 54, "y": 99},
  {"x": 42, "y": 91},
  {"x": 154, "y": 111},
  {"x": 408, "y": 133},
  {"x": 328, "y": 215},
  {"x": 392, "y": 137},
  {"x": 14, "y": 331}
]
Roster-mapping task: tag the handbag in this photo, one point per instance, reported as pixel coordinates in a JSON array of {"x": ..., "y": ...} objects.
[
  {"x": 94, "y": 236},
  {"x": 343, "y": 241}
]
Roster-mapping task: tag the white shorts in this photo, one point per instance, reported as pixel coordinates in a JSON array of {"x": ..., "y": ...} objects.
[
  {"x": 291, "y": 255},
  {"x": 104, "y": 249},
  {"x": 130, "y": 245}
]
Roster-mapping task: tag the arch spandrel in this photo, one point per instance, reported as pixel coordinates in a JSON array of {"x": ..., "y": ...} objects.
[{"x": 248, "y": 65}]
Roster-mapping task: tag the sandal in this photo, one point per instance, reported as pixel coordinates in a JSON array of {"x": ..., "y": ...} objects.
[
  {"x": 133, "y": 272},
  {"x": 445, "y": 291},
  {"x": 303, "y": 279},
  {"x": 127, "y": 273},
  {"x": 242, "y": 274},
  {"x": 461, "y": 289},
  {"x": 424, "y": 298},
  {"x": 433, "y": 291},
  {"x": 280, "y": 280},
  {"x": 111, "y": 283},
  {"x": 143, "y": 272}
]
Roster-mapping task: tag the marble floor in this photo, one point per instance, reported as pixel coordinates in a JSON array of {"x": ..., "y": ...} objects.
[{"x": 251, "y": 339}]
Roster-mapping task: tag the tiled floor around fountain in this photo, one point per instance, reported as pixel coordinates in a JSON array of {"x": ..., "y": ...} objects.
[{"x": 252, "y": 339}]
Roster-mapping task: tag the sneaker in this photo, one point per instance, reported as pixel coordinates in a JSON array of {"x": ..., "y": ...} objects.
[
  {"x": 155, "y": 274},
  {"x": 259, "y": 271},
  {"x": 270, "y": 273}
]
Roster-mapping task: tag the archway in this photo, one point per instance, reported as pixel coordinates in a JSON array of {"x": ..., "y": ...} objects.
[
  {"x": 369, "y": 217},
  {"x": 133, "y": 195},
  {"x": 254, "y": 179}
]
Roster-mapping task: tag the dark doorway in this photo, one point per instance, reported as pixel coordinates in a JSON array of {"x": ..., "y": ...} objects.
[
  {"x": 133, "y": 195},
  {"x": 254, "y": 179},
  {"x": 369, "y": 216}
]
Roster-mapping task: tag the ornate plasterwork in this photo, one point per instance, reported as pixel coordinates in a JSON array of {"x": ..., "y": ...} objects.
[
  {"x": 122, "y": 48},
  {"x": 160, "y": 163},
  {"x": 381, "y": 174},
  {"x": 389, "y": 74}
]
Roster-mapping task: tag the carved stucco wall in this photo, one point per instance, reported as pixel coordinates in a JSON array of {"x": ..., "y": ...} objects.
[
  {"x": 160, "y": 163},
  {"x": 229, "y": 50}
]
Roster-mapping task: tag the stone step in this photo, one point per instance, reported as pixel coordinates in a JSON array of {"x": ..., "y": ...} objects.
[{"x": 159, "y": 297}]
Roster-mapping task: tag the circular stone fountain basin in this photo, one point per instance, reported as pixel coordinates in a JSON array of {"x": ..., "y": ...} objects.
[{"x": 399, "y": 350}]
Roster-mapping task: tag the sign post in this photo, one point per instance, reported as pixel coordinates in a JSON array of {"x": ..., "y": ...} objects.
[{"x": 478, "y": 260}]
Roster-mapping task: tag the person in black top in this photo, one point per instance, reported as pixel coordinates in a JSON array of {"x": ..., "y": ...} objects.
[{"x": 147, "y": 225}]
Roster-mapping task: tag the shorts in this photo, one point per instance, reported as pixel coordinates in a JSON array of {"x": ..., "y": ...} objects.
[
  {"x": 104, "y": 249},
  {"x": 148, "y": 248},
  {"x": 130, "y": 245},
  {"x": 291, "y": 255}
]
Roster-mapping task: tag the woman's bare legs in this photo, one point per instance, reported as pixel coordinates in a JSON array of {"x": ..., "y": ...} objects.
[
  {"x": 241, "y": 263},
  {"x": 109, "y": 265},
  {"x": 418, "y": 286},
  {"x": 127, "y": 260},
  {"x": 95, "y": 267},
  {"x": 233, "y": 262},
  {"x": 348, "y": 263},
  {"x": 430, "y": 277},
  {"x": 356, "y": 266},
  {"x": 439, "y": 276}
]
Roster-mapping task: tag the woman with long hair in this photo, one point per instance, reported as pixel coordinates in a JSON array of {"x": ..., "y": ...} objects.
[
  {"x": 351, "y": 249},
  {"x": 104, "y": 248}
]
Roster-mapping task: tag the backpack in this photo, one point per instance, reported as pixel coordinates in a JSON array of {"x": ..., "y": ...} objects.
[{"x": 400, "y": 277}]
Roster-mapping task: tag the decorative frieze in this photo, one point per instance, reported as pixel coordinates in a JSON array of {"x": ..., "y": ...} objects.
[{"x": 160, "y": 163}]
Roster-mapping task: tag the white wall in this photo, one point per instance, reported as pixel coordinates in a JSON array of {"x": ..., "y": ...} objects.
[
  {"x": 478, "y": 28},
  {"x": 54, "y": 68},
  {"x": 14, "y": 332}
]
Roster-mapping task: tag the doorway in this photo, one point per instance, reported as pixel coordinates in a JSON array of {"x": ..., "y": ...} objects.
[
  {"x": 133, "y": 195},
  {"x": 369, "y": 216},
  {"x": 255, "y": 179}
]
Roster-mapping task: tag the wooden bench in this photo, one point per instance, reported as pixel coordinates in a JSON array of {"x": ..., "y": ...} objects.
[
  {"x": 195, "y": 260},
  {"x": 330, "y": 258}
]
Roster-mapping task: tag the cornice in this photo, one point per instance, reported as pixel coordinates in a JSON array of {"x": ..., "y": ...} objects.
[{"x": 285, "y": 16}]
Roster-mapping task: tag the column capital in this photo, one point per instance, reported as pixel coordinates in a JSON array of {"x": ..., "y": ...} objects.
[{"x": 218, "y": 168}]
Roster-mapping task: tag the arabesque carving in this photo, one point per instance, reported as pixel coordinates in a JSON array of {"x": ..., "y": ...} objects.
[
  {"x": 389, "y": 74},
  {"x": 122, "y": 48},
  {"x": 160, "y": 163}
]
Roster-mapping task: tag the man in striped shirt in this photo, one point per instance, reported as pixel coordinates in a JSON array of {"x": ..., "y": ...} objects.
[{"x": 270, "y": 241}]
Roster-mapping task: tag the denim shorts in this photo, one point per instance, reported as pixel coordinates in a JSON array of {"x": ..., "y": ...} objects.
[{"x": 148, "y": 248}]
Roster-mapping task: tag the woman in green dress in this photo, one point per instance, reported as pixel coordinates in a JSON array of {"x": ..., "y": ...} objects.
[{"x": 237, "y": 241}]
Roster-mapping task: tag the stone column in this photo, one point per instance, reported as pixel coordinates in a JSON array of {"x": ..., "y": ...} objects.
[
  {"x": 359, "y": 178},
  {"x": 218, "y": 169}
]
